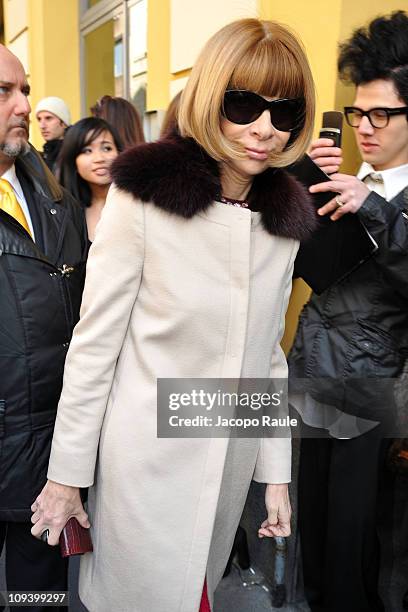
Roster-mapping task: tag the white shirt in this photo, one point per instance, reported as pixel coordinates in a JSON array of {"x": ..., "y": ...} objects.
[
  {"x": 387, "y": 183},
  {"x": 11, "y": 176}
]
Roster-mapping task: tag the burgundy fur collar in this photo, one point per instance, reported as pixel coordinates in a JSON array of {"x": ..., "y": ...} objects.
[{"x": 179, "y": 176}]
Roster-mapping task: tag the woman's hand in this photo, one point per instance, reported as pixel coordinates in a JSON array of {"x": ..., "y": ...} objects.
[
  {"x": 279, "y": 512},
  {"x": 54, "y": 506},
  {"x": 325, "y": 155},
  {"x": 351, "y": 195}
]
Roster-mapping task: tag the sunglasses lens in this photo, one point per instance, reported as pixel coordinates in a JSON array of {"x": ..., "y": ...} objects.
[
  {"x": 287, "y": 115},
  {"x": 242, "y": 106}
]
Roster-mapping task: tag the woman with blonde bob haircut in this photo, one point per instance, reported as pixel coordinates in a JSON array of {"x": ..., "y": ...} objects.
[
  {"x": 188, "y": 277},
  {"x": 241, "y": 57}
]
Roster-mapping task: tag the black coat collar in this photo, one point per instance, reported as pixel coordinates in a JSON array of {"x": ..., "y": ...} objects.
[
  {"x": 178, "y": 176},
  {"x": 48, "y": 216}
]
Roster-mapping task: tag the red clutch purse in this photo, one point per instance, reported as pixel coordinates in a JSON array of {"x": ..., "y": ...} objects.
[{"x": 75, "y": 539}]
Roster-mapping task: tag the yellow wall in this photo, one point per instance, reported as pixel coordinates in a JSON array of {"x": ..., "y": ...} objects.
[
  {"x": 99, "y": 78},
  {"x": 54, "y": 54},
  {"x": 15, "y": 18},
  {"x": 204, "y": 18},
  {"x": 16, "y": 29},
  {"x": 158, "y": 54}
]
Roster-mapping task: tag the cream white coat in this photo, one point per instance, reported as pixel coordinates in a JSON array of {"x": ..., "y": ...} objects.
[{"x": 167, "y": 297}]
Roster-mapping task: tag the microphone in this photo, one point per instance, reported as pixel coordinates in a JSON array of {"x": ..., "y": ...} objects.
[{"x": 332, "y": 126}]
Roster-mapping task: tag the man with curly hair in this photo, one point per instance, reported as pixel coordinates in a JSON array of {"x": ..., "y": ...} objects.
[{"x": 356, "y": 333}]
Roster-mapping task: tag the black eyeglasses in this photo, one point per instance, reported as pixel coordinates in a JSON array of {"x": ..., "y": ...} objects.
[
  {"x": 243, "y": 107},
  {"x": 378, "y": 117}
]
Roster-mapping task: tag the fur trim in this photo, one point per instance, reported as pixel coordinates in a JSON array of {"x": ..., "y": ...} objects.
[{"x": 180, "y": 177}]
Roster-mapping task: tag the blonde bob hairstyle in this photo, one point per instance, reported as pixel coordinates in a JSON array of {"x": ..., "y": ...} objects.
[{"x": 260, "y": 56}]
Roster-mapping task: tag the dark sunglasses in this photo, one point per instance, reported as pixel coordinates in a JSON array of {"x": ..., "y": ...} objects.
[
  {"x": 378, "y": 117},
  {"x": 243, "y": 107}
]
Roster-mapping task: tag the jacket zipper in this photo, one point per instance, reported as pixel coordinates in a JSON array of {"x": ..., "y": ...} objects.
[{"x": 62, "y": 274}]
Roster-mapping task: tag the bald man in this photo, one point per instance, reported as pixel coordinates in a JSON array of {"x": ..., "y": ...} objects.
[{"x": 42, "y": 255}]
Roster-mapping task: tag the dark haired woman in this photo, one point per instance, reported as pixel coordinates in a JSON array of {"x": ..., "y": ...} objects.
[
  {"x": 89, "y": 148},
  {"x": 123, "y": 116}
]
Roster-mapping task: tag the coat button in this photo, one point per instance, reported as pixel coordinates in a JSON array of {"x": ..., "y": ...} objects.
[{"x": 53, "y": 211}]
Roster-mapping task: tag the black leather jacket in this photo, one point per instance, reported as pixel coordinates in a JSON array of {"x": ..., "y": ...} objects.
[
  {"x": 40, "y": 293},
  {"x": 359, "y": 327}
]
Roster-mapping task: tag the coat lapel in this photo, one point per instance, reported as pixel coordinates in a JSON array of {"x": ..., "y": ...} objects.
[
  {"x": 48, "y": 218},
  {"x": 15, "y": 240}
]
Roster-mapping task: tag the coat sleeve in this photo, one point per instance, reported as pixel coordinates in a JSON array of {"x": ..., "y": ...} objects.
[
  {"x": 387, "y": 222},
  {"x": 112, "y": 283},
  {"x": 273, "y": 464}
]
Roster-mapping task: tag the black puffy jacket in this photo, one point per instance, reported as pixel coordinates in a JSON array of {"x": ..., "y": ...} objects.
[
  {"x": 40, "y": 295},
  {"x": 358, "y": 329}
]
